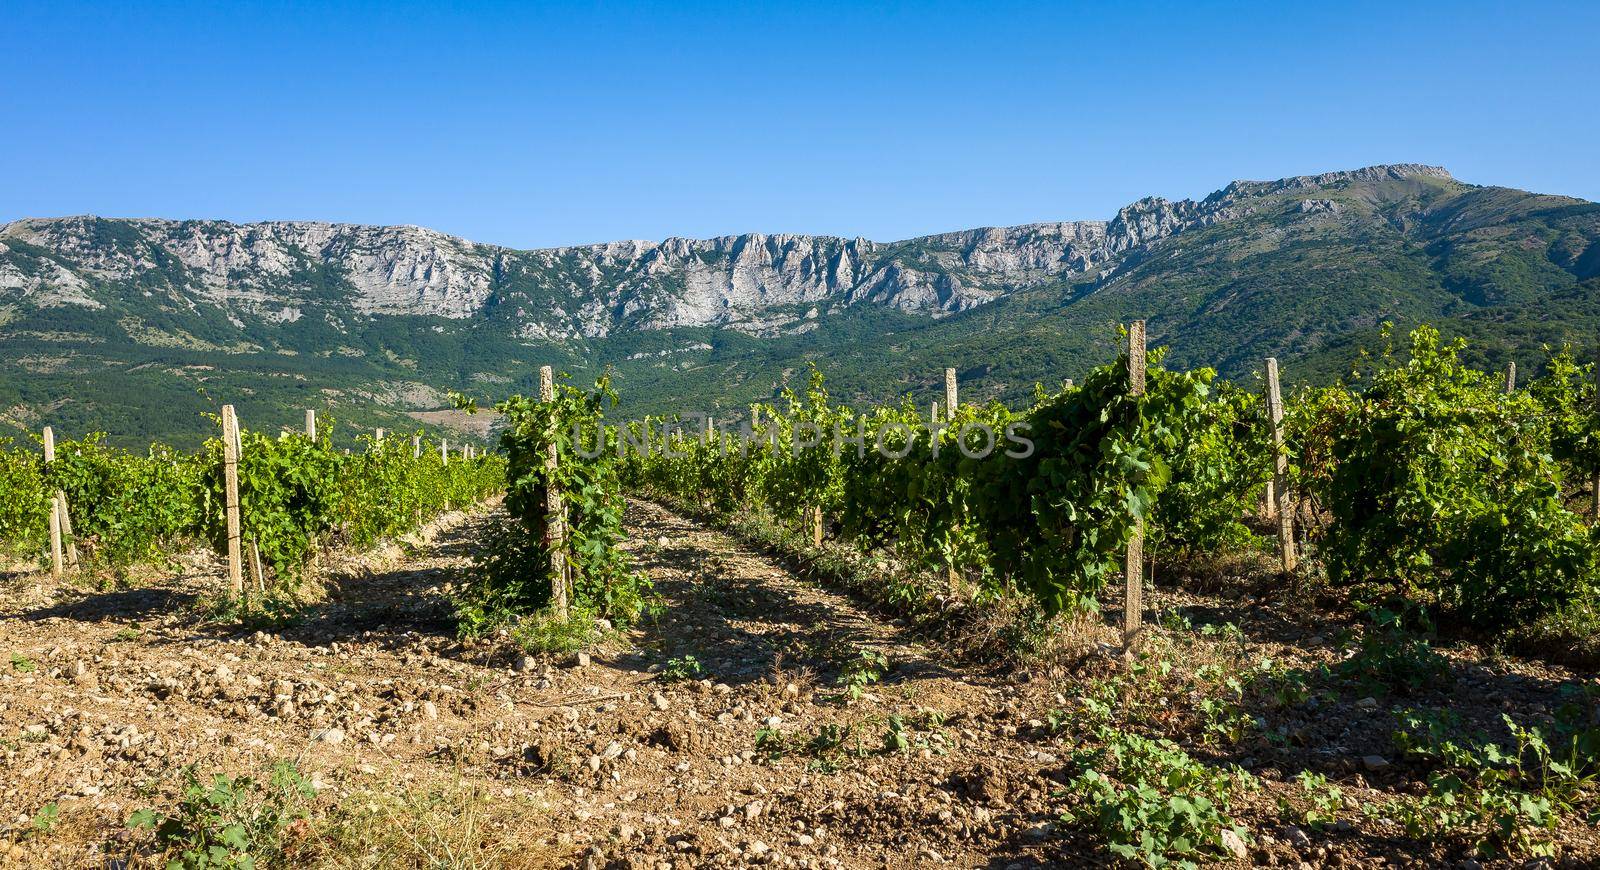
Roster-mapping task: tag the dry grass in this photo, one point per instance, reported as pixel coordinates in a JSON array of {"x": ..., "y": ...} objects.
[{"x": 449, "y": 825}]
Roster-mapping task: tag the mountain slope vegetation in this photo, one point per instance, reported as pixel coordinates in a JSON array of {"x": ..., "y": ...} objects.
[{"x": 140, "y": 327}]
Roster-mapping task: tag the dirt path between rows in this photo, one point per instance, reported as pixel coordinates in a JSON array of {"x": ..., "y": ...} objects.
[
  {"x": 108, "y": 694},
  {"x": 807, "y": 732}
]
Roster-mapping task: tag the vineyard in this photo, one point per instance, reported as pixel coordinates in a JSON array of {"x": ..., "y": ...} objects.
[
  {"x": 282, "y": 496},
  {"x": 1156, "y": 617},
  {"x": 1424, "y": 487}
]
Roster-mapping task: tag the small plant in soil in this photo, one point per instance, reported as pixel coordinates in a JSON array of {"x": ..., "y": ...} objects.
[
  {"x": 772, "y": 743},
  {"x": 273, "y": 611},
  {"x": 230, "y": 822},
  {"x": 1174, "y": 619},
  {"x": 1504, "y": 799},
  {"x": 866, "y": 668},
  {"x": 132, "y": 632},
  {"x": 1324, "y": 801},
  {"x": 896, "y": 737},
  {"x": 44, "y": 820},
  {"x": 681, "y": 669},
  {"x": 546, "y": 633},
  {"x": 1390, "y": 659},
  {"x": 1152, "y": 802},
  {"x": 1223, "y": 718},
  {"x": 921, "y": 731},
  {"x": 833, "y": 743}
]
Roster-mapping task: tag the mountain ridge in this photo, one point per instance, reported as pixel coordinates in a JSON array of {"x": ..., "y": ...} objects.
[
  {"x": 1373, "y": 172},
  {"x": 409, "y": 269},
  {"x": 120, "y": 316}
]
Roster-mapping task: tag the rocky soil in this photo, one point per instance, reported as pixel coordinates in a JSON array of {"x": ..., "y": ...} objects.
[{"x": 775, "y": 746}]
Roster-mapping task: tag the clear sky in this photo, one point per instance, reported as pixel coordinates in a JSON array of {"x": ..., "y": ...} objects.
[{"x": 533, "y": 125}]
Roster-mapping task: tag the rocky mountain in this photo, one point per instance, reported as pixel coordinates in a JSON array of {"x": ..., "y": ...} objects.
[
  {"x": 380, "y": 320},
  {"x": 266, "y": 270}
]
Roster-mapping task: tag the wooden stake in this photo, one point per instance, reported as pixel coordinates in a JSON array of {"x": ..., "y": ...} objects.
[
  {"x": 57, "y": 562},
  {"x": 69, "y": 538},
  {"x": 555, "y": 519},
  {"x": 951, "y": 574},
  {"x": 1280, "y": 470},
  {"x": 1594, "y": 512},
  {"x": 311, "y": 424},
  {"x": 949, "y": 395},
  {"x": 1269, "y": 494},
  {"x": 1133, "y": 566},
  {"x": 230, "y": 484},
  {"x": 58, "y": 506},
  {"x": 1511, "y": 377},
  {"x": 261, "y": 575}
]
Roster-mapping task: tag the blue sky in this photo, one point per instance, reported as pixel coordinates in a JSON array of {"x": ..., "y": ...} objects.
[{"x": 538, "y": 125}]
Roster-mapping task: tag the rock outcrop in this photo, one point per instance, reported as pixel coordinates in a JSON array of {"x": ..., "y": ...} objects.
[{"x": 753, "y": 282}]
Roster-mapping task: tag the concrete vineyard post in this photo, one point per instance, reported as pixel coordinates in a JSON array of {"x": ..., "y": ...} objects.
[
  {"x": 311, "y": 424},
  {"x": 58, "y": 506},
  {"x": 952, "y": 574},
  {"x": 416, "y": 447},
  {"x": 69, "y": 538},
  {"x": 1280, "y": 470},
  {"x": 555, "y": 520},
  {"x": 230, "y": 486},
  {"x": 949, "y": 395},
  {"x": 377, "y": 440},
  {"x": 444, "y": 460},
  {"x": 1511, "y": 378},
  {"x": 57, "y": 563},
  {"x": 1269, "y": 493},
  {"x": 261, "y": 574},
  {"x": 1133, "y": 567},
  {"x": 1066, "y": 384},
  {"x": 1594, "y": 513}
]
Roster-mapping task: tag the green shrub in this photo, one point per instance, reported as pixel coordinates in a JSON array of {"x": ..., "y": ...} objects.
[
  {"x": 1151, "y": 802},
  {"x": 1389, "y": 658},
  {"x": 1052, "y": 518},
  {"x": 1500, "y": 797},
  {"x": 125, "y": 507},
  {"x": 24, "y": 502},
  {"x": 1443, "y": 489},
  {"x": 230, "y": 822},
  {"x": 514, "y": 579},
  {"x": 297, "y": 494},
  {"x": 288, "y": 496}
]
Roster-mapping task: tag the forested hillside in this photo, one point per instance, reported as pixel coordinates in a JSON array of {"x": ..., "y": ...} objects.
[{"x": 139, "y": 326}]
